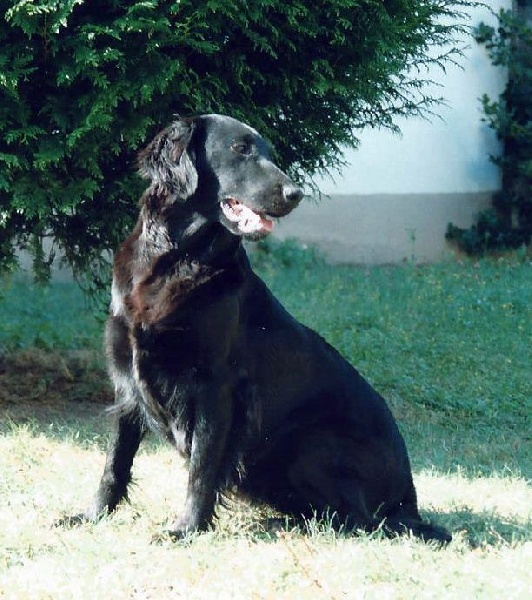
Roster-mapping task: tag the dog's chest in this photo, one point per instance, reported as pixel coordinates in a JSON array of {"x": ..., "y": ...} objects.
[{"x": 183, "y": 358}]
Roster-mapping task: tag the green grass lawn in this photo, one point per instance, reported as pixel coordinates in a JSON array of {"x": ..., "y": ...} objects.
[
  {"x": 51, "y": 317},
  {"x": 447, "y": 345}
]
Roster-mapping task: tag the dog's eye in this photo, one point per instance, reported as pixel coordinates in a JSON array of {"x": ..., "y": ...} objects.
[{"x": 244, "y": 147}]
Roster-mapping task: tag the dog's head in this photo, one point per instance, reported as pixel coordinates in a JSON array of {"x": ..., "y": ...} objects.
[{"x": 225, "y": 169}]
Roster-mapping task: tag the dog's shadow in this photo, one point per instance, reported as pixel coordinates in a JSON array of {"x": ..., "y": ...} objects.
[{"x": 473, "y": 529}]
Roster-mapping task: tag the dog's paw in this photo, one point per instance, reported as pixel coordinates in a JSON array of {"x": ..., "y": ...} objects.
[
  {"x": 179, "y": 536},
  {"x": 180, "y": 531},
  {"x": 92, "y": 515},
  {"x": 70, "y": 521},
  {"x": 184, "y": 530}
]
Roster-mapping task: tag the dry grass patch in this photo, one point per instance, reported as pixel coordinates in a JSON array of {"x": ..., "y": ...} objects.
[{"x": 45, "y": 477}]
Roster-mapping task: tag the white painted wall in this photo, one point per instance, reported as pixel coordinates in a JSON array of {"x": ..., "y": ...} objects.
[
  {"x": 394, "y": 201},
  {"x": 442, "y": 156}
]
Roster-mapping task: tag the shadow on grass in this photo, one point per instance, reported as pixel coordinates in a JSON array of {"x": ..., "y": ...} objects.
[
  {"x": 61, "y": 395},
  {"x": 486, "y": 528},
  {"x": 474, "y": 529}
]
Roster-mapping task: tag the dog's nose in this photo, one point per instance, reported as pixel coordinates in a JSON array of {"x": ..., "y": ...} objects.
[{"x": 292, "y": 194}]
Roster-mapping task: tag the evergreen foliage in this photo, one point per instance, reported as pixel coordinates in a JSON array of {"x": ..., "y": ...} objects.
[
  {"x": 84, "y": 85},
  {"x": 508, "y": 223}
]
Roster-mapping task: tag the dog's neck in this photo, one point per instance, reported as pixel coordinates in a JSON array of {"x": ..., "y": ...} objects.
[
  {"x": 162, "y": 233},
  {"x": 207, "y": 241}
]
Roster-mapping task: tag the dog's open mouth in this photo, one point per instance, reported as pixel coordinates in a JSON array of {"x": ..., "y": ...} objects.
[{"x": 247, "y": 220}]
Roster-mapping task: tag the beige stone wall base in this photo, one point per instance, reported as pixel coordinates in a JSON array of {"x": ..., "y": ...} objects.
[{"x": 380, "y": 229}]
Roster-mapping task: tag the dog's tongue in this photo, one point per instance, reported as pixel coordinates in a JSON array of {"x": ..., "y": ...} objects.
[{"x": 266, "y": 223}]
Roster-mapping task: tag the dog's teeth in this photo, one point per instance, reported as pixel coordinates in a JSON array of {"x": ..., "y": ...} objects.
[
  {"x": 250, "y": 222},
  {"x": 230, "y": 212}
]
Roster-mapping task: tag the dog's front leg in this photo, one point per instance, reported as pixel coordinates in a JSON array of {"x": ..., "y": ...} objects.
[
  {"x": 211, "y": 425},
  {"x": 127, "y": 435}
]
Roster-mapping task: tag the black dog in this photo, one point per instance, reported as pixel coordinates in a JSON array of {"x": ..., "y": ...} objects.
[{"x": 201, "y": 352}]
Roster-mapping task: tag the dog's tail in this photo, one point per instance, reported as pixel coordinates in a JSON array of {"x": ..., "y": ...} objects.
[
  {"x": 424, "y": 531},
  {"x": 391, "y": 527},
  {"x": 405, "y": 519}
]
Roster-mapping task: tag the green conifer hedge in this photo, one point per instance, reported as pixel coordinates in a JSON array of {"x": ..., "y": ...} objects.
[{"x": 85, "y": 83}]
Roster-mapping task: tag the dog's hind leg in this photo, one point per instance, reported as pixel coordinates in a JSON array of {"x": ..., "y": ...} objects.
[
  {"x": 344, "y": 503},
  {"x": 404, "y": 518},
  {"x": 358, "y": 485}
]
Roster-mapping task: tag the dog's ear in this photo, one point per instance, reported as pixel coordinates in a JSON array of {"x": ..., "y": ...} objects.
[{"x": 168, "y": 161}]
